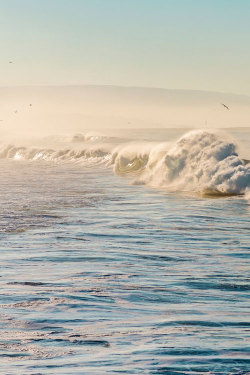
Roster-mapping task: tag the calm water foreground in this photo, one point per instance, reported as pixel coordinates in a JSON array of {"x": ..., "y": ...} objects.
[{"x": 99, "y": 276}]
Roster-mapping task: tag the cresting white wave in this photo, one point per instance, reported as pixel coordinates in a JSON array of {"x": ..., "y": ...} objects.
[{"x": 200, "y": 161}]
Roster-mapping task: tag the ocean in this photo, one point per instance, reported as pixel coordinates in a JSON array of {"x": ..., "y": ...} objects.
[{"x": 126, "y": 252}]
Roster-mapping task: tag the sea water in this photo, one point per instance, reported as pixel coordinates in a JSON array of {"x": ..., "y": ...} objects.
[{"x": 126, "y": 253}]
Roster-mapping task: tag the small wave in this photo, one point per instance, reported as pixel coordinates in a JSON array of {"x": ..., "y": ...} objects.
[
  {"x": 94, "y": 137},
  {"x": 35, "y": 154}
]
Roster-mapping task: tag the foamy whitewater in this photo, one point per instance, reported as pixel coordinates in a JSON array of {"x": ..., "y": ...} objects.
[
  {"x": 125, "y": 252},
  {"x": 200, "y": 161}
]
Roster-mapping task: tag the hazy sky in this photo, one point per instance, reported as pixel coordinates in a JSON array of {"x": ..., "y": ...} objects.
[{"x": 190, "y": 44}]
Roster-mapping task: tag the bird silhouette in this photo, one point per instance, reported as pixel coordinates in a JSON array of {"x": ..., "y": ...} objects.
[{"x": 224, "y": 105}]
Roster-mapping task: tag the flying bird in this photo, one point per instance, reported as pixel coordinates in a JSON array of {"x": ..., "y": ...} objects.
[{"x": 224, "y": 105}]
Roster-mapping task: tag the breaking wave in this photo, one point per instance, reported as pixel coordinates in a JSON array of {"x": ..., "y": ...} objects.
[
  {"x": 95, "y": 137},
  {"x": 47, "y": 154},
  {"x": 200, "y": 161}
]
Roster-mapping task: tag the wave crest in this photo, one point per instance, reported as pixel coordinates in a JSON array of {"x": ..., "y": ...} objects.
[{"x": 200, "y": 161}]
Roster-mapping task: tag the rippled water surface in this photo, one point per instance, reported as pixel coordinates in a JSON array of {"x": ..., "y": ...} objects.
[{"x": 99, "y": 276}]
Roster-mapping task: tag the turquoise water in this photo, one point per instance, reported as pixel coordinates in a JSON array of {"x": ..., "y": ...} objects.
[{"x": 100, "y": 276}]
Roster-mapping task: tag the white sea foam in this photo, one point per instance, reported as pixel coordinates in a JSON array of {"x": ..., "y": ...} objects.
[{"x": 200, "y": 161}]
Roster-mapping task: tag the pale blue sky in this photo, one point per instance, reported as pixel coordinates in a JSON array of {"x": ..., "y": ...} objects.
[{"x": 190, "y": 44}]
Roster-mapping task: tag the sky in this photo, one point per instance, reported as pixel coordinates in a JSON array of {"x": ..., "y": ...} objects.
[{"x": 174, "y": 44}]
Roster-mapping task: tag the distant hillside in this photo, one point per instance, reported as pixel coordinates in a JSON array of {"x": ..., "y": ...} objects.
[{"x": 69, "y": 108}]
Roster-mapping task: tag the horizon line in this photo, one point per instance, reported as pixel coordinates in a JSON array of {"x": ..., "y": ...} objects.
[{"x": 123, "y": 87}]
